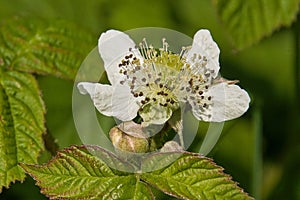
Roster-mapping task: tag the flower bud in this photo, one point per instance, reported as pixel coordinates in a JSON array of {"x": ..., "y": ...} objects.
[{"x": 126, "y": 142}]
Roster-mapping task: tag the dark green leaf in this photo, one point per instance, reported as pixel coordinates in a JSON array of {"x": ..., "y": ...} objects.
[
  {"x": 194, "y": 177},
  {"x": 21, "y": 124},
  {"x": 249, "y": 21},
  {"x": 76, "y": 174}
]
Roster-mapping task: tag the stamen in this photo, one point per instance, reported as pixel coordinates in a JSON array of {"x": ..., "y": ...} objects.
[
  {"x": 165, "y": 45},
  {"x": 165, "y": 77}
]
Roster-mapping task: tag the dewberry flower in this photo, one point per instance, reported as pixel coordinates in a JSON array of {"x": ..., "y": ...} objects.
[{"x": 156, "y": 82}]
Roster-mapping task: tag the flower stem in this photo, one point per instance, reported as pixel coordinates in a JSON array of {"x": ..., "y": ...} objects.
[
  {"x": 181, "y": 140},
  {"x": 50, "y": 143},
  {"x": 297, "y": 57},
  {"x": 211, "y": 138},
  {"x": 257, "y": 152}
]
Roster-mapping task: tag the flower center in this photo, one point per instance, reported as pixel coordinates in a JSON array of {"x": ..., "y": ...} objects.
[{"x": 165, "y": 78}]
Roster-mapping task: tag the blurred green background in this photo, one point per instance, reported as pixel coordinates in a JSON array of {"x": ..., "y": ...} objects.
[{"x": 261, "y": 150}]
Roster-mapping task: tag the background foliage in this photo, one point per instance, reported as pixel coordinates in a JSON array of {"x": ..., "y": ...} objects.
[{"x": 260, "y": 150}]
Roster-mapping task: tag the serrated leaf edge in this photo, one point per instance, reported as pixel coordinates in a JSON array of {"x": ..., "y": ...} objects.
[{"x": 219, "y": 169}]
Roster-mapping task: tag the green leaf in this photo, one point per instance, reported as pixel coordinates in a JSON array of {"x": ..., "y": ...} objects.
[
  {"x": 193, "y": 176},
  {"x": 249, "y": 21},
  {"x": 37, "y": 47},
  {"x": 77, "y": 174},
  {"x": 21, "y": 124}
]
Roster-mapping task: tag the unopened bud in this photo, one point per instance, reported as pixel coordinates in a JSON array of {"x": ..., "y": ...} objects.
[{"x": 129, "y": 143}]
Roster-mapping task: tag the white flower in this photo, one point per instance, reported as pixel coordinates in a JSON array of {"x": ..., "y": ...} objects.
[{"x": 154, "y": 83}]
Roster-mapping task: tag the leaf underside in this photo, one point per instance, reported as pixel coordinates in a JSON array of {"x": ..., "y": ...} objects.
[
  {"x": 249, "y": 21},
  {"x": 77, "y": 174},
  {"x": 31, "y": 46}
]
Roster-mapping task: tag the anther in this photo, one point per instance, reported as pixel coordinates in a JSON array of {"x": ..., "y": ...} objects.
[
  {"x": 138, "y": 67},
  {"x": 157, "y": 80}
]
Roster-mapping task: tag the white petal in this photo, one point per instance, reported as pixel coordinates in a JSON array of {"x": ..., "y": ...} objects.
[
  {"x": 113, "y": 46},
  {"x": 228, "y": 102},
  {"x": 111, "y": 101},
  {"x": 100, "y": 94},
  {"x": 124, "y": 104},
  {"x": 204, "y": 45}
]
